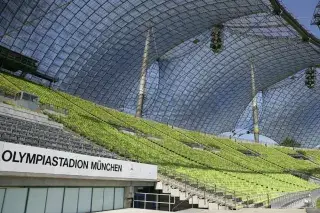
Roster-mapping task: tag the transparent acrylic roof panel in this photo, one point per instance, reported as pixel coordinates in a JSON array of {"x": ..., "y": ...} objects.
[
  {"x": 95, "y": 48},
  {"x": 288, "y": 109},
  {"x": 295, "y": 110}
]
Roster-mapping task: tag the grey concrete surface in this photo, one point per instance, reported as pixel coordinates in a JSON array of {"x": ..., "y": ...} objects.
[
  {"x": 14, "y": 181},
  {"x": 27, "y": 115},
  {"x": 213, "y": 211},
  {"x": 313, "y": 210}
]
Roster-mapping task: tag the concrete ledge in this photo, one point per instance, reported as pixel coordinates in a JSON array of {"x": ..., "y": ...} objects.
[
  {"x": 166, "y": 189},
  {"x": 194, "y": 200},
  {"x": 213, "y": 206},
  {"x": 130, "y": 210},
  {"x": 27, "y": 115},
  {"x": 159, "y": 186},
  {"x": 203, "y": 203},
  {"x": 175, "y": 193},
  {"x": 14, "y": 181},
  {"x": 53, "y": 112},
  {"x": 184, "y": 195}
]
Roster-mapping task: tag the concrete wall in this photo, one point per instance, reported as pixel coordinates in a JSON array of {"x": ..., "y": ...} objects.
[
  {"x": 27, "y": 115},
  {"x": 14, "y": 181},
  {"x": 61, "y": 199},
  {"x": 37, "y": 181}
]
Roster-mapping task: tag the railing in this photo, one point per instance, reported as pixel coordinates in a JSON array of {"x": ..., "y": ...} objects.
[
  {"x": 214, "y": 188},
  {"x": 314, "y": 180},
  {"x": 17, "y": 97},
  {"x": 230, "y": 198},
  {"x": 54, "y": 109},
  {"x": 213, "y": 192},
  {"x": 182, "y": 201},
  {"x": 195, "y": 183},
  {"x": 156, "y": 202},
  {"x": 315, "y": 195},
  {"x": 296, "y": 198},
  {"x": 240, "y": 140}
]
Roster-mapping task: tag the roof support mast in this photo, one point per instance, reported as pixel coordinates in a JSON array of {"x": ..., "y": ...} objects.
[
  {"x": 143, "y": 76},
  {"x": 255, "y": 114},
  {"x": 316, "y": 16}
]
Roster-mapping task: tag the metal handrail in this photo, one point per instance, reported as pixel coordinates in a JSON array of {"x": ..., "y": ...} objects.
[
  {"x": 54, "y": 108},
  {"x": 157, "y": 202},
  {"x": 283, "y": 201},
  {"x": 195, "y": 190},
  {"x": 187, "y": 199},
  {"x": 190, "y": 180},
  {"x": 266, "y": 198}
]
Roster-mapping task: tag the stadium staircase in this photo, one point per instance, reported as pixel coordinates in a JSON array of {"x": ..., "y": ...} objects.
[{"x": 196, "y": 195}]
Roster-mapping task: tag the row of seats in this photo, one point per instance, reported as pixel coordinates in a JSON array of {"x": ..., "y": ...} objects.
[
  {"x": 228, "y": 169},
  {"x": 29, "y": 133}
]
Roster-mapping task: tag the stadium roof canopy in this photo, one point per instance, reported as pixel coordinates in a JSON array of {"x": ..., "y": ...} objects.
[{"x": 95, "y": 48}]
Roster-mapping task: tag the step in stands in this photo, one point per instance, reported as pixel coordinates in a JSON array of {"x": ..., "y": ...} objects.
[{"x": 196, "y": 196}]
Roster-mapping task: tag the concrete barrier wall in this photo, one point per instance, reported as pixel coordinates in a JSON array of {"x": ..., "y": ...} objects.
[{"x": 27, "y": 115}]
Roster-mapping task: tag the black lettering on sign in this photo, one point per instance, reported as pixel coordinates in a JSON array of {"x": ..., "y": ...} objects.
[
  {"x": 25, "y": 157},
  {"x": 22, "y": 156},
  {"x": 85, "y": 164},
  {"x": 79, "y": 164},
  {"x": 31, "y": 159},
  {"x": 39, "y": 158},
  {"x": 7, "y": 155},
  {"x": 65, "y": 162},
  {"x": 14, "y": 157},
  {"x": 94, "y": 165},
  {"x": 71, "y": 163},
  {"x": 61, "y": 159},
  {"x": 55, "y": 161},
  {"x": 48, "y": 161}
]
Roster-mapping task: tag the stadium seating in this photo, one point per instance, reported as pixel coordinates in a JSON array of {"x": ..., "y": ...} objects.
[
  {"x": 29, "y": 133},
  {"x": 280, "y": 156},
  {"x": 220, "y": 166},
  {"x": 314, "y": 155}
]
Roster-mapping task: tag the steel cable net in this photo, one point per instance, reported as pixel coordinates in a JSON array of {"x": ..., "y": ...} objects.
[
  {"x": 95, "y": 48},
  {"x": 292, "y": 109}
]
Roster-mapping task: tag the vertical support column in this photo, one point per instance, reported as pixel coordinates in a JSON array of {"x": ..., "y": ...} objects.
[
  {"x": 185, "y": 186},
  {"x": 129, "y": 196},
  {"x": 255, "y": 115},
  {"x": 157, "y": 202},
  {"x": 143, "y": 77}
]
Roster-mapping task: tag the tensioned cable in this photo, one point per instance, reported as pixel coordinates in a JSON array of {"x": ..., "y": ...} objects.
[
  {"x": 235, "y": 38},
  {"x": 156, "y": 44},
  {"x": 238, "y": 36},
  {"x": 154, "y": 41},
  {"x": 26, "y": 23}
]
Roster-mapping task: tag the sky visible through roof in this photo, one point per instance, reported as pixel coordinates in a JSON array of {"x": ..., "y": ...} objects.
[{"x": 303, "y": 10}]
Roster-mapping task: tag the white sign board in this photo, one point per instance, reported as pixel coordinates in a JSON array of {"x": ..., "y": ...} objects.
[{"x": 34, "y": 160}]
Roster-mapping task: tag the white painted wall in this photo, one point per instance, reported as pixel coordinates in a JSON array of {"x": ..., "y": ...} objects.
[{"x": 12, "y": 161}]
